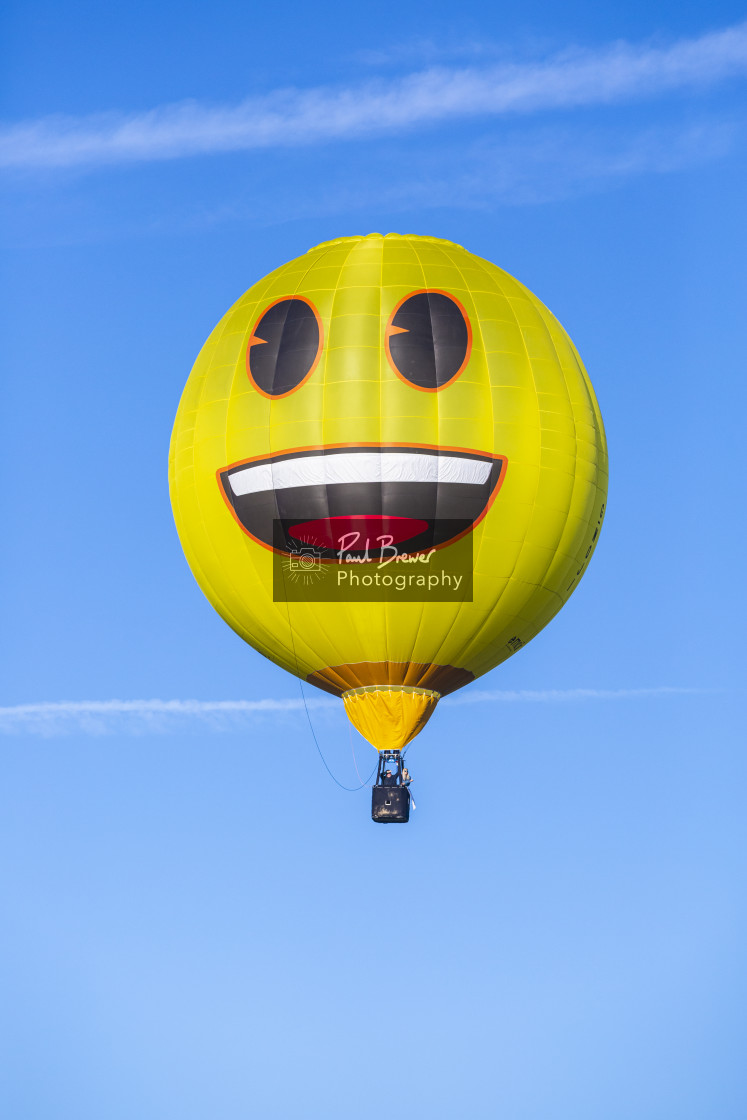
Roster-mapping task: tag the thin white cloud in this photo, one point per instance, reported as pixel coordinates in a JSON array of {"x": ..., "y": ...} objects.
[
  {"x": 429, "y": 52},
  {"x": 564, "y": 695},
  {"x": 617, "y": 73},
  {"x": 523, "y": 167},
  {"x": 100, "y": 717}
]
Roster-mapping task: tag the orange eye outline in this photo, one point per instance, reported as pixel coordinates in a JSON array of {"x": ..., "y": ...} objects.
[
  {"x": 391, "y": 330},
  {"x": 254, "y": 340}
]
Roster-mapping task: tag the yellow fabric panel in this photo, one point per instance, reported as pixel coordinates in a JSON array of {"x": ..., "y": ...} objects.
[{"x": 389, "y": 717}]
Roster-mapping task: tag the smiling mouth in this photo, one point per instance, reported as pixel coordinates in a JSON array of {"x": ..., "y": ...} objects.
[{"x": 339, "y": 497}]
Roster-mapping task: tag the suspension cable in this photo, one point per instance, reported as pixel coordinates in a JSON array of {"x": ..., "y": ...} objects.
[{"x": 348, "y": 789}]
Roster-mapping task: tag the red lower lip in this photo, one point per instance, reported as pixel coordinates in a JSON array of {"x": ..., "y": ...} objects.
[{"x": 338, "y": 532}]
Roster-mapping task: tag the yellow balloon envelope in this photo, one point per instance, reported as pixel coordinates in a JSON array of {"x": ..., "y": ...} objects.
[{"x": 388, "y": 472}]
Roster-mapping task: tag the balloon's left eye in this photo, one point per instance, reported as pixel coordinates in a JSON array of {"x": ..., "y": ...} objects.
[{"x": 284, "y": 347}]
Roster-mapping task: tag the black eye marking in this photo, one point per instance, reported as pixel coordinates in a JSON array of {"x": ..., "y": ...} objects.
[
  {"x": 428, "y": 340},
  {"x": 284, "y": 346}
]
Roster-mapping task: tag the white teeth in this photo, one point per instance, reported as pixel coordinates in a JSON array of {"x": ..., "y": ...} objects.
[{"x": 358, "y": 466}]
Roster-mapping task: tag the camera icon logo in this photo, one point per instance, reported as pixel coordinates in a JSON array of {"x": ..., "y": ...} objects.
[
  {"x": 304, "y": 564},
  {"x": 304, "y": 560}
]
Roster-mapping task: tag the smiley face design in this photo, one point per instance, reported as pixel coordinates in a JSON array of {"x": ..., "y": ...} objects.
[
  {"x": 416, "y": 496},
  {"x": 394, "y": 388}
]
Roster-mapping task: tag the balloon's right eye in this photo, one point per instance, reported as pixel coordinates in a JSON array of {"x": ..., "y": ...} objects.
[
  {"x": 428, "y": 340},
  {"x": 284, "y": 347}
]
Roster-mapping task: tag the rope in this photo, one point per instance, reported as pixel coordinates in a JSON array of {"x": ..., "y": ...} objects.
[
  {"x": 348, "y": 789},
  {"x": 355, "y": 761}
]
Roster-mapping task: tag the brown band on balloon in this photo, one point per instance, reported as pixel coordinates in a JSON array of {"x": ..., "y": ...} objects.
[{"x": 340, "y": 678}]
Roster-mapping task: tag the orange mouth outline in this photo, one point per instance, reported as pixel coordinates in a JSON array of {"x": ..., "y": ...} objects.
[{"x": 291, "y": 451}]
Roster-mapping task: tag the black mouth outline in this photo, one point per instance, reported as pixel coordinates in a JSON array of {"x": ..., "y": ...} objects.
[{"x": 269, "y": 526}]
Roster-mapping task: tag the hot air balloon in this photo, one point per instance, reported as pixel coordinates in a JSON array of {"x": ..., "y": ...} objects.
[{"x": 388, "y": 472}]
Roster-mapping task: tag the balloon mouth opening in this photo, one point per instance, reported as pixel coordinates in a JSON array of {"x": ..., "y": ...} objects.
[{"x": 366, "y": 501}]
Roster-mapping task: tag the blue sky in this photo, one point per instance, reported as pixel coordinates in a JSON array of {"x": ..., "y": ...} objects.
[{"x": 197, "y": 921}]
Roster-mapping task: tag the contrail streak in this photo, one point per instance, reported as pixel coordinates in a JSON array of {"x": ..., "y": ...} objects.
[
  {"x": 560, "y": 695},
  {"x": 99, "y": 717},
  {"x": 613, "y": 74}
]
